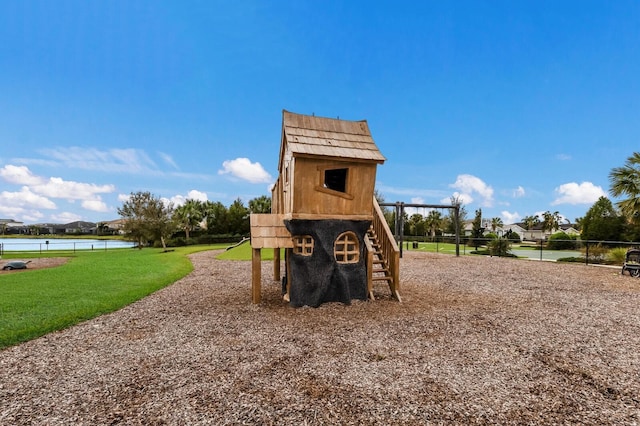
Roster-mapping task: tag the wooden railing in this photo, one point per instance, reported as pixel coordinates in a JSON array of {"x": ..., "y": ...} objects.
[{"x": 388, "y": 247}]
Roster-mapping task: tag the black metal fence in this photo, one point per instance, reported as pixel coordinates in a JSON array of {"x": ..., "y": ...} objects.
[{"x": 587, "y": 251}]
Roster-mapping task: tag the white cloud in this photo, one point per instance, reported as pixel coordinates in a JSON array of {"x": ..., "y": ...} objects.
[
  {"x": 463, "y": 198},
  {"x": 518, "y": 192},
  {"x": 563, "y": 157},
  {"x": 123, "y": 197},
  {"x": 509, "y": 218},
  {"x": 127, "y": 160},
  {"x": 95, "y": 205},
  {"x": 65, "y": 217},
  {"x": 194, "y": 194},
  {"x": 169, "y": 160},
  {"x": 19, "y": 175},
  {"x": 56, "y": 187},
  {"x": 32, "y": 216},
  {"x": 37, "y": 192},
  {"x": 197, "y": 195},
  {"x": 244, "y": 169},
  {"x": 25, "y": 198},
  {"x": 574, "y": 193},
  {"x": 469, "y": 184}
]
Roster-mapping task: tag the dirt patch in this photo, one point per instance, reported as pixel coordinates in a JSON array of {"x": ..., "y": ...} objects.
[
  {"x": 36, "y": 263},
  {"x": 477, "y": 340}
]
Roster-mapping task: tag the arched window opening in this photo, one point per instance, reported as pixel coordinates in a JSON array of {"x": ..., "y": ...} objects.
[{"x": 347, "y": 248}]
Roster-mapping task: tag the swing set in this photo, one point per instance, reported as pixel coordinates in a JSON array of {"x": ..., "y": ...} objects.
[{"x": 399, "y": 219}]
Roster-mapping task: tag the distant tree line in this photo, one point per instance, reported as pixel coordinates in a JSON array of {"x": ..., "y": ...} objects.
[{"x": 150, "y": 220}]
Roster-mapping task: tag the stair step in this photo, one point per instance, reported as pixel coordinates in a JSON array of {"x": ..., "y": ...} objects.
[{"x": 385, "y": 278}]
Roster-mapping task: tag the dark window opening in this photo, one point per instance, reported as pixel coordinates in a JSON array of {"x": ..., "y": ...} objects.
[{"x": 336, "y": 179}]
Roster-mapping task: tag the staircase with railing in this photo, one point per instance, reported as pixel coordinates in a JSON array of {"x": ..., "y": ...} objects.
[{"x": 383, "y": 254}]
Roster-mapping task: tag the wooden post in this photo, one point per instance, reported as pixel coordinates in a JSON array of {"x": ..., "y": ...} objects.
[
  {"x": 256, "y": 275},
  {"x": 276, "y": 264}
]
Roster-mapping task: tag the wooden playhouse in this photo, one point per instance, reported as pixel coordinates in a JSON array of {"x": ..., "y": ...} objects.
[{"x": 325, "y": 215}]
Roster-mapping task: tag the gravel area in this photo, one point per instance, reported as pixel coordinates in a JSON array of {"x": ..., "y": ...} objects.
[{"x": 477, "y": 340}]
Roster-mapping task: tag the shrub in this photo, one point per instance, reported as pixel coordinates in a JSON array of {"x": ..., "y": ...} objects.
[
  {"x": 177, "y": 242},
  {"x": 499, "y": 247},
  {"x": 617, "y": 255},
  {"x": 571, "y": 259},
  {"x": 561, "y": 241},
  {"x": 512, "y": 236},
  {"x": 597, "y": 253}
]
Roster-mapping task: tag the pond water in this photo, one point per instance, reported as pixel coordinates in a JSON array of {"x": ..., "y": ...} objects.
[{"x": 47, "y": 244}]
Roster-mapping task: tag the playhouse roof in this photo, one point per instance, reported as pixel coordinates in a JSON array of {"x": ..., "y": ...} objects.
[{"x": 307, "y": 135}]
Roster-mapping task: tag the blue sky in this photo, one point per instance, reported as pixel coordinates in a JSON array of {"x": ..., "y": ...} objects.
[{"x": 517, "y": 107}]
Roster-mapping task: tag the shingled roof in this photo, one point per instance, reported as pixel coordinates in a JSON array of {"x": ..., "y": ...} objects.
[{"x": 307, "y": 135}]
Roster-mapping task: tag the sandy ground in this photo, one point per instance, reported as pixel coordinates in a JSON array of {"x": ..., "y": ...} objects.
[
  {"x": 37, "y": 263},
  {"x": 477, "y": 340}
]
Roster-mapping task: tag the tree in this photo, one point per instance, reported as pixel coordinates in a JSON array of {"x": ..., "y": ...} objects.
[
  {"x": 216, "y": 217},
  {"x": 146, "y": 218},
  {"x": 389, "y": 214},
  {"x": 499, "y": 247},
  {"x": 550, "y": 221},
  {"x": 625, "y": 181},
  {"x": 188, "y": 216},
  {"x": 451, "y": 226},
  {"x": 160, "y": 220},
  {"x": 239, "y": 218},
  {"x": 433, "y": 222},
  {"x": 561, "y": 241},
  {"x": 416, "y": 224},
  {"x": 261, "y": 204},
  {"x": 602, "y": 222},
  {"x": 530, "y": 222},
  {"x": 496, "y": 223},
  {"x": 477, "y": 230},
  {"x": 102, "y": 228}
]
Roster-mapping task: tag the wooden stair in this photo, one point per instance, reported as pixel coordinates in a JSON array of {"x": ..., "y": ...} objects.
[
  {"x": 380, "y": 265},
  {"x": 382, "y": 256}
]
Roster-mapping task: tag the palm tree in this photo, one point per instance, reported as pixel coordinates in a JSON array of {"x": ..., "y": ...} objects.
[
  {"x": 496, "y": 223},
  {"x": 433, "y": 222},
  {"x": 417, "y": 224},
  {"x": 625, "y": 181},
  {"x": 550, "y": 221},
  {"x": 261, "y": 204},
  {"x": 530, "y": 222},
  {"x": 188, "y": 216}
]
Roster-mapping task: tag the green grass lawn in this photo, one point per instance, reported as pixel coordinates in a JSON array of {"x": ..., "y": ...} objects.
[
  {"x": 243, "y": 252},
  {"x": 36, "y": 302}
]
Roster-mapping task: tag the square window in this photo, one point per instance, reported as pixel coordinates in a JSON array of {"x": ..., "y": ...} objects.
[
  {"x": 303, "y": 245},
  {"x": 336, "y": 179}
]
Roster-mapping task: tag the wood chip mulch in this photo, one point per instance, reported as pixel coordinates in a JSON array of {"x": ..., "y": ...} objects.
[{"x": 477, "y": 340}]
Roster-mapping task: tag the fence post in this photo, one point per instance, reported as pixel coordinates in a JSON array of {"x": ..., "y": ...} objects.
[
  {"x": 540, "y": 249},
  {"x": 586, "y": 257}
]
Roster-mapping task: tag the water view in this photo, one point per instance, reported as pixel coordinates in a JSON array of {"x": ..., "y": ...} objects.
[{"x": 45, "y": 244}]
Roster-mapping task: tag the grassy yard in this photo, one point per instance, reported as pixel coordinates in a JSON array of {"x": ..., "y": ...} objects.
[
  {"x": 243, "y": 252},
  {"x": 36, "y": 302}
]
